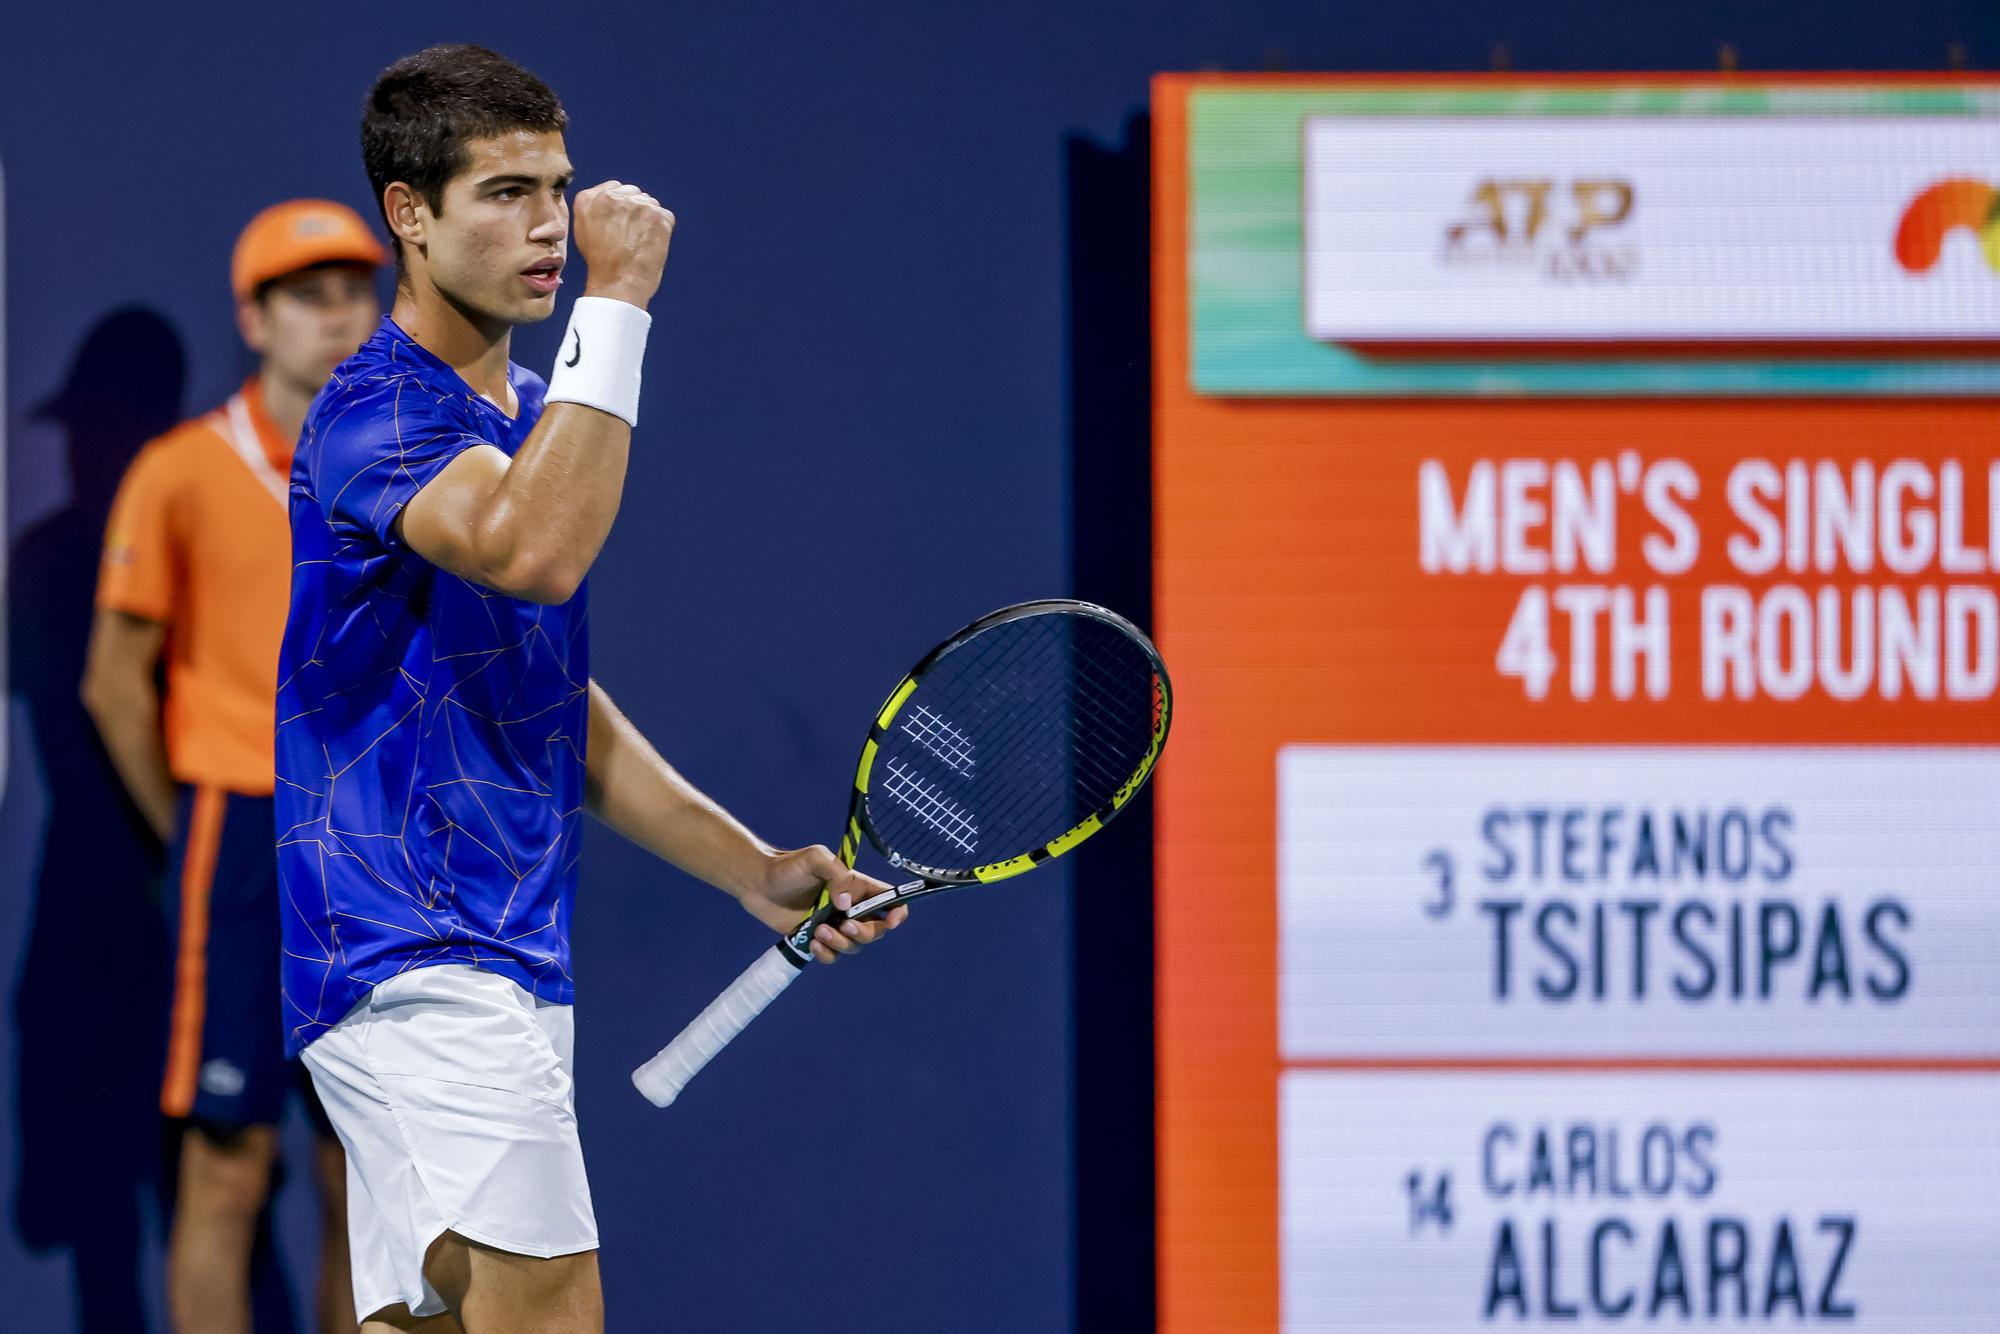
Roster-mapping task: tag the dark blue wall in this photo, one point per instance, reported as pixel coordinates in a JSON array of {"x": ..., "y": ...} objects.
[{"x": 902, "y": 336}]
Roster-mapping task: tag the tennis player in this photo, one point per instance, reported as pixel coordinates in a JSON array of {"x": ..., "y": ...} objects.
[
  {"x": 196, "y": 563},
  {"x": 439, "y": 736}
]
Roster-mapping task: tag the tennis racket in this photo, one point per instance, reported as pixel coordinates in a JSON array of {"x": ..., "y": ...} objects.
[{"x": 1010, "y": 743}]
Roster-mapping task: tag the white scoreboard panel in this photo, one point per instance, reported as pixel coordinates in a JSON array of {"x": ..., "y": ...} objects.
[{"x": 1421, "y": 1201}]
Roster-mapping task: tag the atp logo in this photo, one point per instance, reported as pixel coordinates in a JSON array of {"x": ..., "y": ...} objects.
[
  {"x": 1566, "y": 230},
  {"x": 1938, "y": 211}
]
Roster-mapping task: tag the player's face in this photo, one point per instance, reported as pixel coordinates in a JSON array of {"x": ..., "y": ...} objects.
[
  {"x": 498, "y": 245},
  {"x": 309, "y": 322}
]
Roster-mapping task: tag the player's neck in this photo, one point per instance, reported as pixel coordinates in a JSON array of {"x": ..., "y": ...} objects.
[{"x": 476, "y": 348}]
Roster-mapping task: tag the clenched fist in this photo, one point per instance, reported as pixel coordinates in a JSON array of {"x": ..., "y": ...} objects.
[{"x": 623, "y": 234}]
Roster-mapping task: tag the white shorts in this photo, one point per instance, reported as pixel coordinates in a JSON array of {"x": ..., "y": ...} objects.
[{"x": 450, "y": 1089}]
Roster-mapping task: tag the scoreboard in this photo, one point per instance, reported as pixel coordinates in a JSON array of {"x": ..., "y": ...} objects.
[{"x": 1577, "y": 511}]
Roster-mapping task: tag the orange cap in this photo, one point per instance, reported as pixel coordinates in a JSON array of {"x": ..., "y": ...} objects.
[{"x": 298, "y": 234}]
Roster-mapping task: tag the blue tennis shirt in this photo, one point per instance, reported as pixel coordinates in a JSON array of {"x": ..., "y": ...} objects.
[{"x": 430, "y": 732}]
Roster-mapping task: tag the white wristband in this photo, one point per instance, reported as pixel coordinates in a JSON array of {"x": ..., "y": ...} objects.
[{"x": 599, "y": 360}]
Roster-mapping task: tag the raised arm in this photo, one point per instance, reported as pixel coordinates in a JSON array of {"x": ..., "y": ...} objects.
[
  {"x": 531, "y": 527},
  {"x": 635, "y": 791}
]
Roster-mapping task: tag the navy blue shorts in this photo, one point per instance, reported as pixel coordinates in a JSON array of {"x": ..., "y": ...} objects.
[{"x": 226, "y": 1066}]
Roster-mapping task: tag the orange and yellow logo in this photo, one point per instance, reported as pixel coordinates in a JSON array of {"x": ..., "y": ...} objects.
[{"x": 1933, "y": 215}]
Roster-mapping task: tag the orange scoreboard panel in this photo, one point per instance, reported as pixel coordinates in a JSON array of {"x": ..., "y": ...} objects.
[{"x": 1577, "y": 505}]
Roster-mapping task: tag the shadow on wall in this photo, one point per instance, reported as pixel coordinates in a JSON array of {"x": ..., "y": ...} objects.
[
  {"x": 90, "y": 999},
  {"x": 1110, "y": 524}
]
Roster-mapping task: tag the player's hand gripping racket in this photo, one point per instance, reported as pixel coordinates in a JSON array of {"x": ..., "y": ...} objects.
[{"x": 1010, "y": 743}]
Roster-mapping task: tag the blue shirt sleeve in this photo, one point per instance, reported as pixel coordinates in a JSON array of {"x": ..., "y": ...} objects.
[{"x": 368, "y": 456}]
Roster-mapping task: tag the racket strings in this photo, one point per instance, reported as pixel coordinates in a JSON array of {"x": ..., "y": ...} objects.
[
  {"x": 1089, "y": 747},
  {"x": 1012, "y": 738},
  {"x": 1108, "y": 728},
  {"x": 940, "y": 738},
  {"x": 945, "y": 816}
]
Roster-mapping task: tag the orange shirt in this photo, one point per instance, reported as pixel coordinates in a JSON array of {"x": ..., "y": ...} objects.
[{"x": 199, "y": 539}]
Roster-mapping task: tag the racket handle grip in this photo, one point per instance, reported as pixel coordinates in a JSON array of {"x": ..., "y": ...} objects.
[{"x": 662, "y": 1078}]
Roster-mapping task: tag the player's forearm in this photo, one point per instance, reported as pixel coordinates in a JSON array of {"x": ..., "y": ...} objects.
[
  {"x": 635, "y": 791},
  {"x": 127, "y": 713},
  {"x": 546, "y": 520},
  {"x": 543, "y": 526}
]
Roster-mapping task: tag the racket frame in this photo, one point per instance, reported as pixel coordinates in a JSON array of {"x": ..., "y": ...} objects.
[{"x": 936, "y": 878}]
